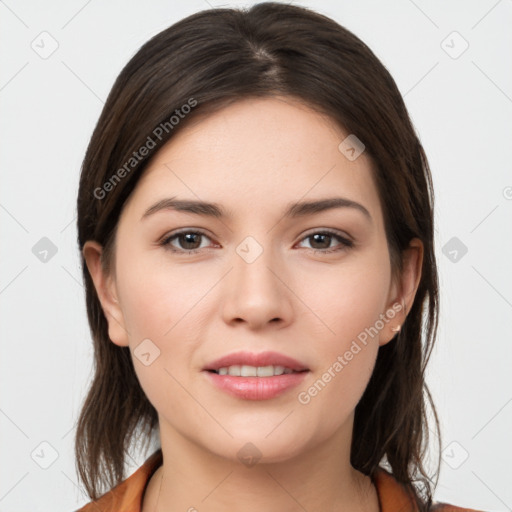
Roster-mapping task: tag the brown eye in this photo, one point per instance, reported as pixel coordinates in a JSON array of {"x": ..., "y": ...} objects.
[
  {"x": 188, "y": 241},
  {"x": 321, "y": 241}
]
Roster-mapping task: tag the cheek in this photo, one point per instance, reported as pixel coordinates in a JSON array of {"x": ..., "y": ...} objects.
[
  {"x": 156, "y": 297},
  {"x": 161, "y": 304},
  {"x": 349, "y": 297},
  {"x": 155, "y": 316},
  {"x": 346, "y": 359},
  {"x": 349, "y": 302},
  {"x": 333, "y": 394}
]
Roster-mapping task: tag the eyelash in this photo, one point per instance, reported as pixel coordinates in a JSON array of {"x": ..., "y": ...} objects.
[{"x": 346, "y": 243}]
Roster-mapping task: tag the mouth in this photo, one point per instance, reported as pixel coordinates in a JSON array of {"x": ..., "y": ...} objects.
[
  {"x": 250, "y": 383},
  {"x": 255, "y": 371},
  {"x": 251, "y": 364},
  {"x": 255, "y": 376}
]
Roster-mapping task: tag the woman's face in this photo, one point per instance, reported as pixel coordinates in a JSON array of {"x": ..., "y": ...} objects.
[{"x": 258, "y": 281}]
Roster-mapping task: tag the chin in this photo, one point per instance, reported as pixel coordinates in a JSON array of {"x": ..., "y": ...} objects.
[{"x": 249, "y": 449}]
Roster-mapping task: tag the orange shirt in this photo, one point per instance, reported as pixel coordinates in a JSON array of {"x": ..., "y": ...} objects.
[{"x": 128, "y": 495}]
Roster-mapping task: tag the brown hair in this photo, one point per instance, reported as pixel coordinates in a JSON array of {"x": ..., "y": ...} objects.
[{"x": 207, "y": 61}]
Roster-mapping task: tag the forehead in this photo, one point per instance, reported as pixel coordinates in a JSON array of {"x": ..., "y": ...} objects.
[{"x": 256, "y": 154}]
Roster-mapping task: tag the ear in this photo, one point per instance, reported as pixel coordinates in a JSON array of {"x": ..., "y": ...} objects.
[
  {"x": 403, "y": 291},
  {"x": 107, "y": 293}
]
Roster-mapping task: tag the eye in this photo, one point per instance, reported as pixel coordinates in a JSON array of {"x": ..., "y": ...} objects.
[
  {"x": 324, "y": 238},
  {"x": 188, "y": 239}
]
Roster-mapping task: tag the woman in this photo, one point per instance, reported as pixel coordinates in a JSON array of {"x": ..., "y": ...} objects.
[{"x": 255, "y": 217}]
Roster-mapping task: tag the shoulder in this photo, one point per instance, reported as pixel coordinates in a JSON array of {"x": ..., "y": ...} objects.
[
  {"x": 127, "y": 496},
  {"x": 394, "y": 495}
]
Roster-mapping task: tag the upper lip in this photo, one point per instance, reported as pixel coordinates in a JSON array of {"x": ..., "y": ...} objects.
[{"x": 256, "y": 359}]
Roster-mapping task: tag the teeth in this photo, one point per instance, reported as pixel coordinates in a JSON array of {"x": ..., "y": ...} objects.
[{"x": 253, "y": 371}]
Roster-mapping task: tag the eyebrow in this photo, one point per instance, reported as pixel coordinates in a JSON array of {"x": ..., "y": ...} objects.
[{"x": 293, "y": 210}]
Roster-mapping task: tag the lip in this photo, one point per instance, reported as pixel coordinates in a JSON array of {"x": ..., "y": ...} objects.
[
  {"x": 256, "y": 388},
  {"x": 256, "y": 359}
]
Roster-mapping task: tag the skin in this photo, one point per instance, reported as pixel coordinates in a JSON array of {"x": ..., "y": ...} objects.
[{"x": 253, "y": 158}]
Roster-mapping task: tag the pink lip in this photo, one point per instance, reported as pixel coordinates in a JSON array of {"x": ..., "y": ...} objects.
[
  {"x": 256, "y": 359},
  {"x": 256, "y": 388}
]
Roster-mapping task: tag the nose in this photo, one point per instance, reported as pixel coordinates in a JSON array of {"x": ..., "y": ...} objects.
[{"x": 257, "y": 290}]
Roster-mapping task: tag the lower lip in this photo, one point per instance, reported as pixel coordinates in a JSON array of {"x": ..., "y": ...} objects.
[{"x": 256, "y": 388}]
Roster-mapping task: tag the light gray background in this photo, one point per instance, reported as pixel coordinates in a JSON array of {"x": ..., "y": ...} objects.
[{"x": 461, "y": 106}]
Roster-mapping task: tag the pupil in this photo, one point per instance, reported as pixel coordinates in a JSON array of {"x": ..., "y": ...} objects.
[
  {"x": 187, "y": 237},
  {"x": 323, "y": 236}
]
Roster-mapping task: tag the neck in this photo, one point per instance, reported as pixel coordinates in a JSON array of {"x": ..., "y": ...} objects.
[{"x": 191, "y": 479}]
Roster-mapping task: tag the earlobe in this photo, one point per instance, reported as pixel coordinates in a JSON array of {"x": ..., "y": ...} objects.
[
  {"x": 404, "y": 291},
  {"x": 106, "y": 292}
]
